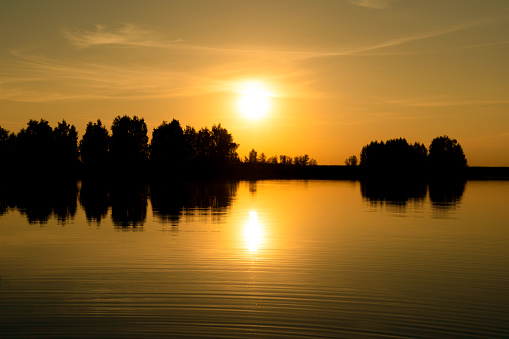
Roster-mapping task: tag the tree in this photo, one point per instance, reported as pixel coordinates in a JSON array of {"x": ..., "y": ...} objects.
[
  {"x": 66, "y": 145},
  {"x": 446, "y": 156},
  {"x": 7, "y": 140},
  {"x": 129, "y": 141},
  {"x": 168, "y": 144},
  {"x": 34, "y": 146},
  {"x": 301, "y": 160},
  {"x": 351, "y": 161},
  {"x": 262, "y": 159},
  {"x": 225, "y": 150},
  {"x": 253, "y": 156},
  {"x": 272, "y": 160},
  {"x": 285, "y": 160},
  {"x": 210, "y": 146},
  {"x": 94, "y": 145},
  {"x": 395, "y": 157},
  {"x": 191, "y": 143}
]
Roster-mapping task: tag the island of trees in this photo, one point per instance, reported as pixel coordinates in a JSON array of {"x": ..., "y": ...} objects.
[{"x": 177, "y": 152}]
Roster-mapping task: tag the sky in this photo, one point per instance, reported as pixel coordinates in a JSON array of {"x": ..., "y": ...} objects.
[{"x": 339, "y": 74}]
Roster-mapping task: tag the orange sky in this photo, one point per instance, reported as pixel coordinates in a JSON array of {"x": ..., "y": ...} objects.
[{"x": 340, "y": 73}]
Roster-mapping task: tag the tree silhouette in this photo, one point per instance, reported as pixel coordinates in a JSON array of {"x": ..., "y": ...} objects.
[
  {"x": 94, "y": 145},
  {"x": 34, "y": 147},
  {"x": 446, "y": 157},
  {"x": 7, "y": 140},
  {"x": 252, "y": 157},
  {"x": 285, "y": 160},
  {"x": 395, "y": 157},
  {"x": 168, "y": 145},
  {"x": 301, "y": 160},
  {"x": 210, "y": 146},
  {"x": 129, "y": 142},
  {"x": 225, "y": 150},
  {"x": 351, "y": 161},
  {"x": 66, "y": 146},
  {"x": 272, "y": 160}
]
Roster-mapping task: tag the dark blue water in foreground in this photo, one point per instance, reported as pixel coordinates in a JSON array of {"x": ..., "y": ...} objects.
[{"x": 291, "y": 259}]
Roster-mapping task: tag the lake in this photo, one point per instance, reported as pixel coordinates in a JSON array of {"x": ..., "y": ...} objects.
[{"x": 278, "y": 259}]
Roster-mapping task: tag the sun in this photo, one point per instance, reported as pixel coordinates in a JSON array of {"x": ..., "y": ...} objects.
[{"x": 254, "y": 101}]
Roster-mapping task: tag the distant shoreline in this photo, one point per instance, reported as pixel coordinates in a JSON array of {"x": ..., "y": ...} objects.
[
  {"x": 246, "y": 171},
  {"x": 342, "y": 172}
]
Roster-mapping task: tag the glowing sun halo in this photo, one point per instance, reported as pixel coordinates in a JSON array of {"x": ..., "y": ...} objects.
[{"x": 254, "y": 101}]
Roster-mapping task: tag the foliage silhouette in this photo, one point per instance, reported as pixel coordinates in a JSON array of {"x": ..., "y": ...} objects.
[
  {"x": 205, "y": 153},
  {"x": 34, "y": 146},
  {"x": 40, "y": 149},
  {"x": 66, "y": 146},
  {"x": 446, "y": 157},
  {"x": 252, "y": 158},
  {"x": 129, "y": 143},
  {"x": 394, "y": 158},
  {"x": 7, "y": 141},
  {"x": 94, "y": 146},
  {"x": 168, "y": 146},
  {"x": 351, "y": 161}
]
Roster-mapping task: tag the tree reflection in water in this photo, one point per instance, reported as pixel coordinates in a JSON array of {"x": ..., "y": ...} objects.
[
  {"x": 393, "y": 193},
  {"x": 171, "y": 201},
  {"x": 128, "y": 202},
  {"x": 444, "y": 196},
  {"x": 41, "y": 200},
  {"x": 95, "y": 201}
]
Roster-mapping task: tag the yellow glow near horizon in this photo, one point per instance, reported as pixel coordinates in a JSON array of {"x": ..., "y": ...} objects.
[
  {"x": 253, "y": 232},
  {"x": 254, "y": 102}
]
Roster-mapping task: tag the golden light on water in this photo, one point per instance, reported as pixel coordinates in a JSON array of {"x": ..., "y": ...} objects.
[
  {"x": 254, "y": 100},
  {"x": 253, "y": 233}
]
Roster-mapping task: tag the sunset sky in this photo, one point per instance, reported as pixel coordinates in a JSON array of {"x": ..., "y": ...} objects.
[{"x": 334, "y": 75}]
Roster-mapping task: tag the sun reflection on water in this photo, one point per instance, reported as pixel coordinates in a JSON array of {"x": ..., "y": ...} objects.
[{"x": 253, "y": 232}]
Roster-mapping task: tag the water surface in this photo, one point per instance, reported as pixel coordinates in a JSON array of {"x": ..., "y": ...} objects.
[{"x": 248, "y": 259}]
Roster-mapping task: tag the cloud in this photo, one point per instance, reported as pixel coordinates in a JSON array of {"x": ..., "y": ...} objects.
[
  {"x": 126, "y": 35},
  {"x": 487, "y": 45},
  {"x": 194, "y": 70},
  {"x": 375, "y": 4},
  {"x": 430, "y": 102},
  {"x": 130, "y": 35},
  {"x": 37, "y": 78}
]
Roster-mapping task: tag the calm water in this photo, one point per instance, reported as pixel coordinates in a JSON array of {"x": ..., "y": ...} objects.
[{"x": 270, "y": 258}]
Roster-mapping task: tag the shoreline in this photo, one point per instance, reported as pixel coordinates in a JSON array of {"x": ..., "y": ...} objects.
[{"x": 252, "y": 172}]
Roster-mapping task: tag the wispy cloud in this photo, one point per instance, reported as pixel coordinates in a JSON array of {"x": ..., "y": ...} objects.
[
  {"x": 130, "y": 35},
  {"x": 376, "y": 4},
  {"x": 488, "y": 44},
  {"x": 35, "y": 77},
  {"x": 126, "y": 35},
  {"x": 431, "y": 102}
]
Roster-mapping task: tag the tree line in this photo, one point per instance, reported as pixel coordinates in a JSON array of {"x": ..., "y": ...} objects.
[
  {"x": 187, "y": 152},
  {"x": 298, "y": 160},
  {"x": 397, "y": 157},
  {"x": 172, "y": 148}
]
